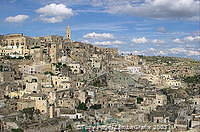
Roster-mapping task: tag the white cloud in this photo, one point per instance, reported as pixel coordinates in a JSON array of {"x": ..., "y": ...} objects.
[
  {"x": 141, "y": 40},
  {"x": 187, "y": 39},
  {"x": 157, "y": 41},
  {"x": 149, "y": 51},
  {"x": 161, "y": 52},
  {"x": 152, "y": 49},
  {"x": 178, "y": 9},
  {"x": 177, "y": 50},
  {"x": 167, "y": 52},
  {"x": 54, "y": 13},
  {"x": 67, "y": 2},
  {"x": 184, "y": 51},
  {"x": 192, "y": 38},
  {"x": 52, "y": 19},
  {"x": 94, "y": 35},
  {"x": 193, "y": 53},
  {"x": 104, "y": 43},
  {"x": 101, "y": 39},
  {"x": 137, "y": 52},
  {"x": 55, "y": 10},
  {"x": 177, "y": 40},
  {"x": 85, "y": 41},
  {"x": 116, "y": 42},
  {"x": 196, "y": 33},
  {"x": 18, "y": 18}
]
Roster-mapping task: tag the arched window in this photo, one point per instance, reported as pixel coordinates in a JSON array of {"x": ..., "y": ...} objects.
[{"x": 17, "y": 44}]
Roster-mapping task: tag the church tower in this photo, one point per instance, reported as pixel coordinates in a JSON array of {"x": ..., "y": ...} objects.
[{"x": 68, "y": 33}]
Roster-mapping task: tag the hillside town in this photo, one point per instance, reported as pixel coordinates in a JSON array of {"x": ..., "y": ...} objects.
[{"x": 55, "y": 84}]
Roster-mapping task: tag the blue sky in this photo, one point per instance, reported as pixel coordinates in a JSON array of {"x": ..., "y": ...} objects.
[{"x": 147, "y": 27}]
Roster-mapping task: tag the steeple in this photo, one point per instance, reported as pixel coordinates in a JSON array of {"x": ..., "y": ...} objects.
[{"x": 68, "y": 33}]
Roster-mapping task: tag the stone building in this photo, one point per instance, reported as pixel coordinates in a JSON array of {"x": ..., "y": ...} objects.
[
  {"x": 15, "y": 44},
  {"x": 50, "y": 47},
  {"x": 25, "y": 103},
  {"x": 37, "y": 54},
  {"x": 7, "y": 76},
  {"x": 160, "y": 100},
  {"x": 62, "y": 82},
  {"x": 41, "y": 102}
]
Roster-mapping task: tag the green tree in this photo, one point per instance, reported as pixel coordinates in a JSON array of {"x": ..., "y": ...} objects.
[
  {"x": 139, "y": 100},
  {"x": 48, "y": 72},
  {"x": 95, "y": 106},
  {"x": 192, "y": 79},
  {"x": 28, "y": 112},
  {"x": 17, "y": 130},
  {"x": 82, "y": 106}
]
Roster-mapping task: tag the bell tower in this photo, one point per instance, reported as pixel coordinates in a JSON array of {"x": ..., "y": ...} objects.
[{"x": 68, "y": 33}]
